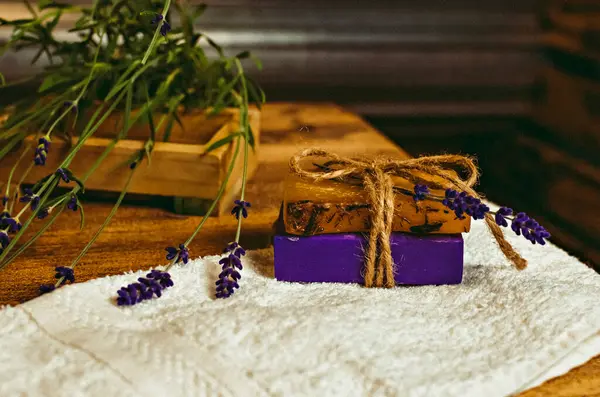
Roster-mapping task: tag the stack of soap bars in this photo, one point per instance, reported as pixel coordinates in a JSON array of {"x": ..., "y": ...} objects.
[{"x": 323, "y": 228}]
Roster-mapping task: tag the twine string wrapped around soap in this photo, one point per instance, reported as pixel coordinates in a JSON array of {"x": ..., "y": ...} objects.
[{"x": 375, "y": 176}]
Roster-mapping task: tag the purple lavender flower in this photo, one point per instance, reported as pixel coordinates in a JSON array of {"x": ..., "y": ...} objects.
[
  {"x": 43, "y": 213},
  {"x": 240, "y": 208},
  {"x": 4, "y": 200},
  {"x": 229, "y": 276},
  {"x": 133, "y": 165},
  {"x": 72, "y": 204},
  {"x": 132, "y": 294},
  {"x": 182, "y": 254},
  {"x": 522, "y": 224},
  {"x": 163, "y": 278},
  {"x": 449, "y": 198},
  {"x": 63, "y": 175},
  {"x": 461, "y": 203},
  {"x": 69, "y": 104},
  {"x": 235, "y": 248},
  {"x": 66, "y": 273},
  {"x": 4, "y": 239},
  {"x": 420, "y": 192},
  {"x": 12, "y": 224},
  {"x": 63, "y": 274},
  {"x": 165, "y": 28},
  {"x": 46, "y": 288},
  {"x": 151, "y": 285},
  {"x": 146, "y": 288},
  {"x": 30, "y": 197},
  {"x": 501, "y": 215},
  {"x": 4, "y": 214},
  {"x": 156, "y": 19},
  {"x": 41, "y": 152}
]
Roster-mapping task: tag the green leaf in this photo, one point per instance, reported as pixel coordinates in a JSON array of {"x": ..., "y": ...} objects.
[
  {"x": 16, "y": 22},
  {"x": 169, "y": 128},
  {"x": 59, "y": 199},
  {"x": 30, "y": 8},
  {"x": 214, "y": 45},
  {"x": 45, "y": 4},
  {"x": 52, "y": 81},
  {"x": 256, "y": 93},
  {"x": 75, "y": 179},
  {"x": 127, "y": 116},
  {"x": 243, "y": 55},
  {"x": 39, "y": 183},
  {"x": 52, "y": 24},
  {"x": 222, "y": 142},
  {"x": 150, "y": 117},
  {"x": 87, "y": 26},
  {"x": 173, "y": 116},
  {"x": 102, "y": 67},
  {"x": 251, "y": 137},
  {"x": 148, "y": 147},
  {"x": 178, "y": 121},
  {"x": 37, "y": 56},
  {"x": 226, "y": 90},
  {"x": 82, "y": 215},
  {"x": 148, "y": 13},
  {"x": 257, "y": 62}
]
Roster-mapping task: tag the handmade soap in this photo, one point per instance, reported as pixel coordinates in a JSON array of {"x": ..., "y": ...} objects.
[
  {"x": 419, "y": 259},
  {"x": 311, "y": 208}
]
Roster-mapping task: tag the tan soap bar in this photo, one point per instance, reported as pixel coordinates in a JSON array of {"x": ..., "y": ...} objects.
[{"x": 311, "y": 208}]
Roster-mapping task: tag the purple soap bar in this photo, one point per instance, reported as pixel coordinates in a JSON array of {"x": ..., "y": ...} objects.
[{"x": 419, "y": 259}]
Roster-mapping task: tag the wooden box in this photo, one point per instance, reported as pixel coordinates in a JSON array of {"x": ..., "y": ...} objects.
[{"x": 180, "y": 168}]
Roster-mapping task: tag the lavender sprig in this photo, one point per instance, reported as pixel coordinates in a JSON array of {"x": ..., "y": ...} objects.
[
  {"x": 41, "y": 152},
  {"x": 11, "y": 225},
  {"x": 63, "y": 175},
  {"x": 463, "y": 204},
  {"x": 31, "y": 198},
  {"x": 240, "y": 208},
  {"x": 229, "y": 276},
  {"x": 146, "y": 288},
  {"x": 72, "y": 203},
  {"x": 63, "y": 274},
  {"x": 4, "y": 239},
  {"x": 181, "y": 254}
]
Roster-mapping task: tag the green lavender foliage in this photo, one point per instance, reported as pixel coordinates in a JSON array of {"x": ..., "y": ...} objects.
[
  {"x": 109, "y": 40},
  {"x": 119, "y": 61}
]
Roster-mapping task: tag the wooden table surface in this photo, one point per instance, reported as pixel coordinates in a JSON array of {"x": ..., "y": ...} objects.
[{"x": 137, "y": 235}]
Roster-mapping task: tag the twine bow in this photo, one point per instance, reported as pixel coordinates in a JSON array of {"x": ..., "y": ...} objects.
[{"x": 375, "y": 176}]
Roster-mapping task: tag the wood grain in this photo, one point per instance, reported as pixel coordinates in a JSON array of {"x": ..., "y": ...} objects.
[
  {"x": 137, "y": 235},
  {"x": 570, "y": 108}
]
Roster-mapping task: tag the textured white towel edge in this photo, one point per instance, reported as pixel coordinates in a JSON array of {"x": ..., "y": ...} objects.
[{"x": 578, "y": 356}]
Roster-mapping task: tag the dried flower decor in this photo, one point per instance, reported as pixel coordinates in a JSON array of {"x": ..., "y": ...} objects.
[{"x": 128, "y": 55}]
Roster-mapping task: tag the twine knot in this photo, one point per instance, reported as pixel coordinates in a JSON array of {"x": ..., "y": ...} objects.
[{"x": 375, "y": 175}]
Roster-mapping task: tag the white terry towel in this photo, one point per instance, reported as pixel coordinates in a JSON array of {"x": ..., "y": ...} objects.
[{"x": 498, "y": 333}]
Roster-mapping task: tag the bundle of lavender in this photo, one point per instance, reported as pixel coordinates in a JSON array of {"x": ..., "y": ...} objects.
[{"x": 128, "y": 58}]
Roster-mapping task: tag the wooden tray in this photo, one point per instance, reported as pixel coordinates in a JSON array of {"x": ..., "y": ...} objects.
[{"x": 179, "y": 168}]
